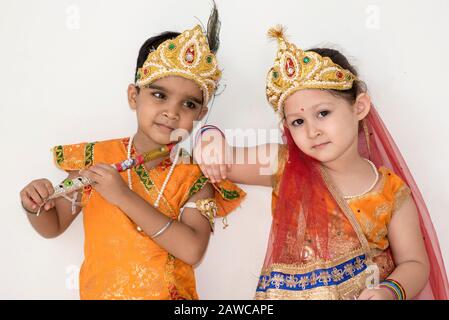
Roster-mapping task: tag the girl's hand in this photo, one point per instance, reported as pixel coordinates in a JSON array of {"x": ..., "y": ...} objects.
[
  {"x": 213, "y": 154},
  {"x": 107, "y": 182},
  {"x": 376, "y": 294},
  {"x": 35, "y": 193}
]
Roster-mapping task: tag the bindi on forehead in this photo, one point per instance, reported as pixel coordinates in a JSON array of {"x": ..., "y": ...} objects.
[
  {"x": 296, "y": 112},
  {"x": 299, "y": 109}
]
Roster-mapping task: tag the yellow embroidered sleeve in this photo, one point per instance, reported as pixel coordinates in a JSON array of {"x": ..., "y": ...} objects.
[
  {"x": 400, "y": 195},
  {"x": 74, "y": 156},
  {"x": 227, "y": 195},
  {"x": 396, "y": 189}
]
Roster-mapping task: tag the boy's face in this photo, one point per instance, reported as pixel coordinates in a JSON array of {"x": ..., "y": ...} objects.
[{"x": 166, "y": 105}]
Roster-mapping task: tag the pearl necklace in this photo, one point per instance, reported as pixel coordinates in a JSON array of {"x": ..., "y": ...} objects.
[
  {"x": 164, "y": 185},
  {"x": 371, "y": 187}
]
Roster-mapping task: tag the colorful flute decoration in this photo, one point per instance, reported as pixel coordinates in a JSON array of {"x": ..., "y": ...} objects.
[{"x": 71, "y": 185}]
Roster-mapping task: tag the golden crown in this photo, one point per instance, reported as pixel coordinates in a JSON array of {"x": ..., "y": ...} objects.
[
  {"x": 187, "y": 56},
  {"x": 295, "y": 70}
]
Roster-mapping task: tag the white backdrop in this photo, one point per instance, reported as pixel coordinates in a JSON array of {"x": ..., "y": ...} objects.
[{"x": 65, "y": 66}]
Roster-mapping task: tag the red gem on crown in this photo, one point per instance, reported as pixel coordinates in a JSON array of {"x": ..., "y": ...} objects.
[
  {"x": 190, "y": 55},
  {"x": 290, "y": 67}
]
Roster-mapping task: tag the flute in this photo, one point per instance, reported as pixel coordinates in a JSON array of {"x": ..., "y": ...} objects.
[{"x": 70, "y": 185}]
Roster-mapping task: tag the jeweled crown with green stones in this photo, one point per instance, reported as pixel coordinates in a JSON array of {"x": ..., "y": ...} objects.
[
  {"x": 294, "y": 70},
  {"x": 187, "y": 56}
]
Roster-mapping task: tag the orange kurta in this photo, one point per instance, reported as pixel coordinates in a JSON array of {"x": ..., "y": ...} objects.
[{"x": 121, "y": 262}]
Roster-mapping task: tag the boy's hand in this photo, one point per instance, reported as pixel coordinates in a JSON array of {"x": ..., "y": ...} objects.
[
  {"x": 35, "y": 193},
  {"x": 376, "y": 294},
  {"x": 213, "y": 154},
  {"x": 107, "y": 182}
]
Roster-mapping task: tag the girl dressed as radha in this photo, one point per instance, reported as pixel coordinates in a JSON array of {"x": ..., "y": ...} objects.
[{"x": 349, "y": 221}]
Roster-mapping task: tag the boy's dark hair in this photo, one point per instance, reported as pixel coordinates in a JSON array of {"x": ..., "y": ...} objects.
[
  {"x": 337, "y": 57},
  {"x": 150, "y": 45}
]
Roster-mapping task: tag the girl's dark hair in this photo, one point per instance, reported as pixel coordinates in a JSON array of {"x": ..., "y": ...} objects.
[
  {"x": 150, "y": 45},
  {"x": 337, "y": 57}
]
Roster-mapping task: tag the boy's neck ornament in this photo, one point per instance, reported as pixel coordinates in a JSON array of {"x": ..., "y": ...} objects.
[
  {"x": 294, "y": 70},
  {"x": 187, "y": 56}
]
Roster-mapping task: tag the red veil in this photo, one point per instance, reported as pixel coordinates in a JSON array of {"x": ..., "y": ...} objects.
[
  {"x": 383, "y": 151},
  {"x": 303, "y": 189}
]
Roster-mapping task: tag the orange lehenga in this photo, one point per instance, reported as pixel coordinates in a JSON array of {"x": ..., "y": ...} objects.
[
  {"x": 347, "y": 259},
  {"x": 121, "y": 262}
]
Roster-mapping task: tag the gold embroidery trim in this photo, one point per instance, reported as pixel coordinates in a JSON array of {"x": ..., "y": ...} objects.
[
  {"x": 400, "y": 195},
  {"x": 309, "y": 267},
  {"x": 208, "y": 209},
  {"x": 348, "y": 290},
  {"x": 348, "y": 213},
  {"x": 282, "y": 158}
]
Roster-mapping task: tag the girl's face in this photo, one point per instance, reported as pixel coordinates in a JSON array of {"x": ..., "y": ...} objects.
[
  {"x": 322, "y": 125},
  {"x": 167, "y": 104}
]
